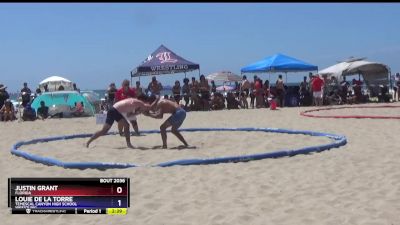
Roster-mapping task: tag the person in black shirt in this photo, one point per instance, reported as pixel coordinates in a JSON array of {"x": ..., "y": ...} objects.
[
  {"x": 43, "y": 111},
  {"x": 75, "y": 88},
  {"x": 344, "y": 90},
  {"x": 213, "y": 87},
  {"x": 111, "y": 95},
  {"x": 46, "y": 88},
  {"x": 3, "y": 95},
  {"x": 38, "y": 91},
  {"x": 25, "y": 94}
]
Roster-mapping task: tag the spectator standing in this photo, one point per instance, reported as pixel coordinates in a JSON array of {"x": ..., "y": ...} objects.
[
  {"x": 213, "y": 87},
  {"x": 139, "y": 89},
  {"x": 317, "y": 84},
  {"x": 266, "y": 88},
  {"x": 186, "y": 91},
  {"x": 25, "y": 94},
  {"x": 111, "y": 91},
  {"x": 304, "y": 92},
  {"x": 155, "y": 87},
  {"x": 344, "y": 90},
  {"x": 75, "y": 88},
  {"x": 252, "y": 91},
  {"x": 397, "y": 85},
  {"x": 194, "y": 88},
  {"x": 280, "y": 91},
  {"x": 3, "y": 95},
  {"x": 204, "y": 92},
  {"x": 123, "y": 93},
  {"x": 245, "y": 86},
  {"x": 176, "y": 91},
  {"x": 310, "y": 77},
  {"x": 38, "y": 91},
  {"x": 46, "y": 88},
  {"x": 259, "y": 93}
]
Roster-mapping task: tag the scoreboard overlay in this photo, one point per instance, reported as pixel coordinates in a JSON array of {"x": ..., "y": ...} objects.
[{"x": 69, "y": 195}]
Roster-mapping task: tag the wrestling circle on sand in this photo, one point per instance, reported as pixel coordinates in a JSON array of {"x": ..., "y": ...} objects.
[
  {"x": 307, "y": 112},
  {"x": 337, "y": 141}
]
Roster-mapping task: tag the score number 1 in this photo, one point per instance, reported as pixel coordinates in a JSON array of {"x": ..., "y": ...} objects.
[{"x": 119, "y": 191}]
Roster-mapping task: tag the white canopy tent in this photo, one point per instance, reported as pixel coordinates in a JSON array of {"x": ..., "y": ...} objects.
[
  {"x": 54, "y": 82},
  {"x": 373, "y": 73},
  {"x": 335, "y": 70}
]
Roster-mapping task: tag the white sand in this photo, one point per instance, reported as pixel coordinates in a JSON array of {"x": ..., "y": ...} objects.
[{"x": 356, "y": 184}]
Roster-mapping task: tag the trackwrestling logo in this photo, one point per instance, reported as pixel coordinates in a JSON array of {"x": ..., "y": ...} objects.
[{"x": 165, "y": 57}]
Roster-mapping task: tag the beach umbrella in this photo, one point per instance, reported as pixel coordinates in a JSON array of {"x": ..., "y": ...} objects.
[
  {"x": 225, "y": 88},
  {"x": 54, "y": 82},
  {"x": 225, "y": 76}
]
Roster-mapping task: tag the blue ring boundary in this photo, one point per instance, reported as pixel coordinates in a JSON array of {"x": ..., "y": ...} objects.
[{"x": 338, "y": 140}]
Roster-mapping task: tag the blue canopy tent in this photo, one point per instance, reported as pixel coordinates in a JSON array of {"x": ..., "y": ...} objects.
[
  {"x": 279, "y": 63},
  {"x": 164, "y": 61}
]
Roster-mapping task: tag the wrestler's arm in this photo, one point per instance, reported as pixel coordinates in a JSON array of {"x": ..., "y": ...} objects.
[
  {"x": 153, "y": 105},
  {"x": 157, "y": 115}
]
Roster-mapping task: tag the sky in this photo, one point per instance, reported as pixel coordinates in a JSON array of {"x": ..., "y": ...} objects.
[{"x": 94, "y": 44}]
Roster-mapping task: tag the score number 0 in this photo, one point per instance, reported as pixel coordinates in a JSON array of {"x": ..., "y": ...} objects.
[{"x": 119, "y": 191}]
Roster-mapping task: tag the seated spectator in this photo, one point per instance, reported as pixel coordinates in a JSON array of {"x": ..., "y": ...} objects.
[
  {"x": 384, "y": 95},
  {"x": 217, "y": 101},
  {"x": 7, "y": 112},
  {"x": 351, "y": 99},
  {"x": 78, "y": 110},
  {"x": 334, "y": 98},
  {"x": 43, "y": 111},
  {"x": 358, "y": 95},
  {"x": 61, "y": 88},
  {"x": 232, "y": 103},
  {"x": 29, "y": 113}
]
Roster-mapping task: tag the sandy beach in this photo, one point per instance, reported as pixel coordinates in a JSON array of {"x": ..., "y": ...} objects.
[{"x": 358, "y": 183}]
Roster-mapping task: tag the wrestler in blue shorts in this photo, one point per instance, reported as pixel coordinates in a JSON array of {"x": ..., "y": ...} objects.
[{"x": 174, "y": 121}]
